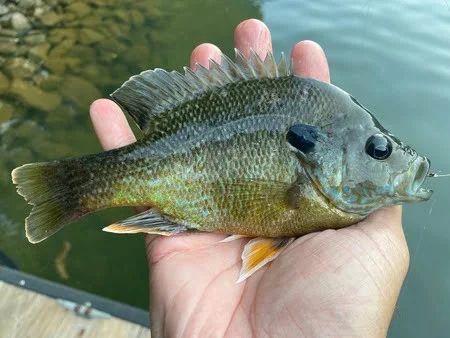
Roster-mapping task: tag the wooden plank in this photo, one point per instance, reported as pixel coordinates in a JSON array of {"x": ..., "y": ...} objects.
[
  {"x": 59, "y": 291},
  {"x": 24, "y": 313}
]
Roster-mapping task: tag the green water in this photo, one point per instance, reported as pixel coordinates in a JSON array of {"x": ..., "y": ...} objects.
[{"x": 393, "y": 56}]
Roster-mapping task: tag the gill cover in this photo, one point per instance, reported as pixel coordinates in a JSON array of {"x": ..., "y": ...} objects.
[
  {"x": 318, "y": 158},
  {"x": 359, "y": 166}
]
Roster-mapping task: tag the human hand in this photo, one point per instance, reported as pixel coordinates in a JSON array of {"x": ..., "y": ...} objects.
[{"x": 333, "y": 283}]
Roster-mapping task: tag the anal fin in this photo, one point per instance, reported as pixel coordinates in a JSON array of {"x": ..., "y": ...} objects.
[
  {"x": 260, "y": 251},
  {"x": 150, "y": 222}
]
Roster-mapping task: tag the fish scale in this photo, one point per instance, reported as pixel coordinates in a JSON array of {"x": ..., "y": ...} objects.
[{"x": 245, "y": 148}]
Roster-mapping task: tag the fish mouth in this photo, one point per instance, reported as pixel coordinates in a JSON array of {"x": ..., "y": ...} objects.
[{"x": 423, "y": 167}]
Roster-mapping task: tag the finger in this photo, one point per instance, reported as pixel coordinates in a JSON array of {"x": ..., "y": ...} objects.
[
  {"x": 387, "y": 223},
  {"x": 309, "y": 60},
  {"x": 390, "y": 216},
  {"x": 203, "y": 52},
  {"x": 253, "y": 34},
  {"x": 387, "y": 219},
  {"x": 159, "y": 247},
  {"x": 110, "y": 124}
]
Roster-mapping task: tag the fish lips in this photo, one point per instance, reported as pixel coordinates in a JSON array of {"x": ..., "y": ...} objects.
[{"x": 421, "y": 167}]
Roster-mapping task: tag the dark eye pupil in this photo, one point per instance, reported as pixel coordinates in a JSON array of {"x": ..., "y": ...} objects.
[{"x": 378, "y": 147}]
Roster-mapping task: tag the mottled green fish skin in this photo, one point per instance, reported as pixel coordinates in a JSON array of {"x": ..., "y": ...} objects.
[
  {"x": 219, "y": 159},
  {"x": 239, "y": 137}
]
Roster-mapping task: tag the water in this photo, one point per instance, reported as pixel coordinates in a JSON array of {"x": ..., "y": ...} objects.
[{"x": 393, "y": 56}]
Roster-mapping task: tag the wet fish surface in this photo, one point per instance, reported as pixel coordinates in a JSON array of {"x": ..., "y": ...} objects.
[{"x": 245, "y": 148}]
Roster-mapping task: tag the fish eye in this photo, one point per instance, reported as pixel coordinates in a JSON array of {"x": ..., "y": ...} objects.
[{"x": 378, "y": 147}]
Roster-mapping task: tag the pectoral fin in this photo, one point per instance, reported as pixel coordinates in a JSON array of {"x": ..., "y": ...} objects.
[
  {"x": 260, "y": 251},
  {"x": 150, "y": 222},
  {"x": 263, "y": 201}
]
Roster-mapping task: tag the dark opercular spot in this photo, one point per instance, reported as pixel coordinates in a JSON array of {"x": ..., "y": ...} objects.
[
  {"x": 302, "y": 137},
  {"x": 378, "y": 147}
]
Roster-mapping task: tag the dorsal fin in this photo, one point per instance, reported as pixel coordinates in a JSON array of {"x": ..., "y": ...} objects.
[{"x": 152, "y": 92}]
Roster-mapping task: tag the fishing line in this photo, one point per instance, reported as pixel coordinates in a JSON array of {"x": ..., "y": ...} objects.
[
  {"x": 433, "y": 175},
  {"x": 422, "y": 234},
  {"x": 425, "y": 227},
  {"x": 416, "y": 251}
]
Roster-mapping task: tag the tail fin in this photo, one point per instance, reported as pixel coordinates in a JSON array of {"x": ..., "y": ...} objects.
[{"x": 54, "y": 205}]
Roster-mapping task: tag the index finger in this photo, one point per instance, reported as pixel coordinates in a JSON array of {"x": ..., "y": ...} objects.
[
  {"x": 309, "y": 60},
  {"x": 253, "y": 34},
  {"x": 110, "y": 124}
]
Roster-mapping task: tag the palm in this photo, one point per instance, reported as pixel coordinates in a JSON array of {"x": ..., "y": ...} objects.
[
  {"x": 337, "y": 283},
  {"x": 321, "y": 276}
]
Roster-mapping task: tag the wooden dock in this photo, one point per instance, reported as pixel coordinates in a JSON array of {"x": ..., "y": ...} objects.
[{"x": 26, "y": 313}]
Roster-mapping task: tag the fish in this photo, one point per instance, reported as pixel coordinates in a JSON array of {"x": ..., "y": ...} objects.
[{"x": 244, "y": 148}]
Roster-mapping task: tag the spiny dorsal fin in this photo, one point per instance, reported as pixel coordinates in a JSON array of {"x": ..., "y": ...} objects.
[{"x": 152, "y": 92}]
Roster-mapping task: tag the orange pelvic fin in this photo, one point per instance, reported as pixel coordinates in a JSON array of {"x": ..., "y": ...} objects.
[{"x": 260, "y": 251}]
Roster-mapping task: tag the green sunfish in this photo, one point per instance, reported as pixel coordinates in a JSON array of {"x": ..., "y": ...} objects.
[{"x": 244, "y": 148}]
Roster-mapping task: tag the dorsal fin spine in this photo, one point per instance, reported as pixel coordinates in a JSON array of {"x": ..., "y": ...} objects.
[
  {"x": 257, "y": 64},
  {"x": 234, "y": 71},
  {"x": 215, "y": 67},
  {"x": 152, "y": 92}
]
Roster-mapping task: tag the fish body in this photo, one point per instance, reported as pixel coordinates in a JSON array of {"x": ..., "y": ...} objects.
[{"x": 244, "y": 148}]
